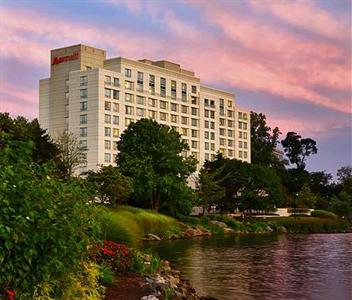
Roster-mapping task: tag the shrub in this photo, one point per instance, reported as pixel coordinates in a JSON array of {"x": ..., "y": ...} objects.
[
  {"x": 106, "y": 275},
  {"x": 323, "y": 214},
  {"x": 46, "y": 226}
]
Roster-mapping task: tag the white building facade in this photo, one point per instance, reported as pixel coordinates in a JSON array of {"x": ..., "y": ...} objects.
[{"x": 97, "y": 98}]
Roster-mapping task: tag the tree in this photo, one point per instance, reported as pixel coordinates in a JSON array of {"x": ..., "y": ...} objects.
[
  {"x": 298, "y": 149},
  {"x": 21, "y": 130},
  {"x": 113, "y": 187},
  {"x": 71, "y": 154},
  {"x": 305, "y": 198},
  {"x": 263, "y": 141},
  {"x": 342, "y": 205},
  {"x": 151, "y": 154},
  {"x": 344, "y": 175},
  {"x": 210, "y": 190}
]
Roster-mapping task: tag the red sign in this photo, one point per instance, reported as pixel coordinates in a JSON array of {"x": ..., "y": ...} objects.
[{"x": 61, "y": 59}]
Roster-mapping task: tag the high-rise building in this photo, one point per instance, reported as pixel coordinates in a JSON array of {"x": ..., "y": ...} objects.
[{"x": 97, "y": 98}]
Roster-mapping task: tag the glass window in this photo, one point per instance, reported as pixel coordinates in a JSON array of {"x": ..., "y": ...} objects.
[
  {"x": 152, "y": 102},
  {"x": 206, "y": 113},
  {"x": 229, "y": 133},
  {"x": 245, "y": 126},
  {"x": 84, "y": 106},
  {"x": 140, "y": 100},
  {"x": 128, "y": 110},
  {"x": 173, "y": 89},
  {"x": 212, "y": 146},
  {"x": 107, "y": 119},
  {"x": 107, "y": 105},
  {"x": 115, "y": 120},
  {"x": 222, "y": 131},
  {"x": 230, "y": 152},
  {"x": 162, "y": 87},
  {"x": 239, "y": 144},
  {"x": 184, "y": 92},
  {"x": 129, "y": 98},
  {"x": 240, "y": 154},
  {"x": 194, "y": 144},
  {"x": 212, "y": 114},
  {"x": 194, "y": 122},
  {"x": 245, "y": 145},
  {"x": 140, "y": 112},
  {"x": 194, "y": 89},
  {"x": 152, "y": 114},
  {"x": 163, "y": 116},
  {"x": 115, "y": 132},
  {"x": 212, "y": 136},
  {"x": 173, "y": 107},
  {"x": 83, "y": 119},
  {"x": 173, "y": 118},
  {"x": 140, "y": 78},
  {"x": 229, "y": 123},
  {"x": 206, "y": 124},
  {"x": 206, "y": 156},
  {"x": 107, "y": 157},
  {"x": 194, "y": 111},
  {"x": 206, "y": 135},
  {"x": 229, "y": 103},
  {"x": 107, "y": 131},
  {"x": 107, "y": 144},
  {"x": 128, "y": 72},
  {"x": 222, "y": 122},
  {"x": 83, "y": 93},
  {"x": 115, "y": 94},
  {"x": 83, "y": 131},
  {"x": 184, "y": 131},
  {"x": 107, "y": 79},
  {"x": 107, "y": 93},
  {"x": 83, "y": 81},
  {"x": 194, "y": 133},
  {"x": 163, "y": 104},
  {"x": 184, "y": 120},
  {"x": 128, "y": 85},
  {"x": 114, "y": 146},
  {"x": 152, "y": 84},
  {"x": 222, "y": 142},
  {"x": 245, "y": 154},
  {"x": 128, "y": 121},
  {"x": 245, "y": 135},
  {"x": 239, "y": 125},
  {"x": 184, "y": 109},
  {"x": 244, "y": 116},
  {"x": 230, "y": 143},
  {"x": 116, "y": 81},
  {"x": 83, "y": 144},
  {"x": 239, "y": 115},
  {"x": 115, "y": 107},
  {"x": 206, "y": 146}
]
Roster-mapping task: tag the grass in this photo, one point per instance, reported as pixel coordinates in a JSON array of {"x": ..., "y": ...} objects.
[
  {"x": 129, "y": 225},
  {"x": 323, "y": 214}
]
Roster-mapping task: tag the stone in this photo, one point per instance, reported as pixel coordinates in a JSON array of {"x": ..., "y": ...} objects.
[
  {"x": 150, "y": 297},
  {"x": 152, "y": 237},
  {"x": 269, "y": 229},
  {"x": 218, "y": 223},
  {"x": 228, "y": 230}
]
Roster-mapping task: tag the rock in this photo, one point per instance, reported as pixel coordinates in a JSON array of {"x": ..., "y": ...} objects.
[
  {"x": 152, "y": 237},
  {"x": 269, "y": 229},
  {"x": 174, "y": 237},
  {"x": 228, "y": 230},
  {"x": 218, "y": 223},
  {"x": 150, "y": 297}
]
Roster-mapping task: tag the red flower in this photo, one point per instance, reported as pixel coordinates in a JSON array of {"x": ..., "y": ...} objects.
[{"x": 10, "y": 294}]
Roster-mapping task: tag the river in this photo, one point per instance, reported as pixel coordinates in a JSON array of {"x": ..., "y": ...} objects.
[{"x": 311, "y": 266}]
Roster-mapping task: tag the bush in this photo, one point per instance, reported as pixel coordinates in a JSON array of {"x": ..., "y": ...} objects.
[
  {"x": 323, "y": 214},
  {"x": 46, "y": 226}
]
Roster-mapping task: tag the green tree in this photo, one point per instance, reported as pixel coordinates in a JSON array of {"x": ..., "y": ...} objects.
[
  {"x": 305, "y": 198},
  {"x": 344, "y": 175},
  {"x": 298, "y": 149},
  {"x": 113, "y": 188},
  {"x": 342, "y": 205},
  {"x": 151, "y": 154},
  {"x": 263, "y": 141}
]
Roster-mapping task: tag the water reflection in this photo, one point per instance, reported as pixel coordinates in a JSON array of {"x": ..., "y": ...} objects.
[{"x": 265, "y": 266}]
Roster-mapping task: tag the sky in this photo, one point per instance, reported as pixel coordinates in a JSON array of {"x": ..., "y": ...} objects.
[{"x": 290, "y": 60}]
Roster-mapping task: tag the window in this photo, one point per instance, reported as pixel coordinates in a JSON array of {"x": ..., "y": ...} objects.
[
  {"x": 83, "y": 81},
  {"x": 83, "y": 93},
  {"x": 173, "y": 118},
  {"x": 239, "y": 144},
  {"x": 206, "y": 146},
  {"x": 116, "y": 81},
  {"x": 184, "y": 131},
  {"x": 107, "y": 119},
  {"x": 194, "y": 89},
  {"x": 140, "y": 112},
  {"x": 184, "y": 109},
  {"x": 88, "y": 67},
  {"x": 116, "y": 132},
  {"x": 229, "y": 133},
  {"x": 206, "y": 124},
  {"x": 129, "y": 98},
  {"x": 194, "y": 133},
  {"x": 107, "y": 157},
  {"x": 83, "y": 119},
  {"x": 107, "y": 93},
  {"x": 194, "y": 122},
  {"x": 244, "y": 116},
  {"x": 163, "y": 104},
  {"x": 128, "y": 110},
  {"x": 140, "y": 78},
  {"x": 152, "y": 102},
  {"x": 128, "y": 72},
  {"x": 212, "y": 136},
  {"x": 115, "y": 107},
  {"x": 83, "y": 144},
  {"x": 67, "y": 97},
  {"x": 162, "y": 87},
  {"x": 240, "y": 134},
  {"x": 107, "y": 144},
  {"x": 115, "y": 120},
  {"x": 107, "y": 131},
  {"x": 107, "y": 79},
  {"x": 222, "y": 131},
  {"x": 163, "y": 116},
  {"x": 230, "y": 143},
  {"x": 184, "y": 92},
  {"x": 206, "y": 156},
  {"x": 128, "y": 121},
  {"x": 206, "y": 113},
  {"x": 222, "y": 142},
  {"x": 212, "y": 147},
  {"x": 128, "y": 85},
  {"x": 115, "y": 94},
  {"x": 245, "y": 135},
  {"x": 229, "y": 123},
  {"x": 194, "y": 100},
  {"x": 184, "y": 120},
  {"x": 245, "y": 154},
  {"x": 173, "y": 89},
  {"x": 212, "y": 103},
  {"x": 194, "y": 111},
  {"x": 229, "y": 103},
  {"x": 245, "y": 145},
  {"x": 245, "y": 126},
  {"x": 114, "y": 146},
  {"x": 239, "y": 125},
  {"x": 107, "y": 105},
  {"x": 83, "y": 106},
  {"x": 67, "y": 83},
  {"x": 194, "y": 144},
  {"x": 240, "y": 154},
  {"x": 206, "y": 135},
  {"x": 212, "y": 114},
  {"x": 173, "y": 107},
  {"x": 230, "y": 153},
  {"x": 140, "y": 100},
  {"x": 206, "y": 102},
  {"x": 222, "y": 122},
  {"x": 230, "y": 113},
  {"x": 222, "y": 111},
  {"x": 152, "y": 84},
  {"x": 239, "y": 115},
  {"x": 83, "y": 132},
  {"x": 152, "y": 114}
]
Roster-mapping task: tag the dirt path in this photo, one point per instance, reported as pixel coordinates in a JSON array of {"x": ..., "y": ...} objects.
[{"x": 128, "y": 287}]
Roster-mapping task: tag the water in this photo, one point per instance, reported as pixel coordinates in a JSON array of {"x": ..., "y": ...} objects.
[{"x": 312, "y": 266}]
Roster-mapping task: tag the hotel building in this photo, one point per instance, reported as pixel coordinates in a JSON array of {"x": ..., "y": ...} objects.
[{"x": 97, "y": 98}]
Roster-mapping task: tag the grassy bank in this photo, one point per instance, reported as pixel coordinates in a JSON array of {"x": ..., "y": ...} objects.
[{"x": 130, "y": 225}]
